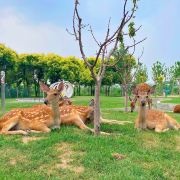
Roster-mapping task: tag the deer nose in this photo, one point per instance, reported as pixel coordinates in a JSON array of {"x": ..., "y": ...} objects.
[
  {"x": 46, "y": 101},
  {"x": 143, "y": 103}
]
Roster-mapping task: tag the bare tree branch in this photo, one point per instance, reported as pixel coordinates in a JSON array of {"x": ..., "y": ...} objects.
[
  {"x": 137, "y": 43},
  {"x": 91, "y": 31}
]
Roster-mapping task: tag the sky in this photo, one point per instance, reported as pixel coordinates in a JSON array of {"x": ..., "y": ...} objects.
[{"x": 39, "y": 26}]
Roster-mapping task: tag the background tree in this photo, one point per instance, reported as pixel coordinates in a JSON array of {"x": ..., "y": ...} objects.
[
  {"x": 109, "y": 79},
  {"x": 170, "y": 78},
  {"x": 126, "y": 68},
  {"x": 177, "y": 73},
  {"x": 159, "y": 75},
  {"x": 8, "y": 58},
  {"x": 141, "y": 75}
]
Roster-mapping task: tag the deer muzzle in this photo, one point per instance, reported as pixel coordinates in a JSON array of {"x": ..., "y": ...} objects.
[
  {"x": 46, "y": 101},
  {"x": 143, "y": 103}
]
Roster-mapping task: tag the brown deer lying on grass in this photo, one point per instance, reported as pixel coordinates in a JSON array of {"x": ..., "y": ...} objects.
[
  {"x": 152, "y": 119},
  {"x": 176, "y": 109},
  {"x": 36, "y": 119},
  {"x": 86, "y": 114}
]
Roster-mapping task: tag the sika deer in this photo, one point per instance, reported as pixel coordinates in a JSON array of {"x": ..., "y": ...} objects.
[
  {"x": 36, "y": 119},
  {"x": 81, "y": 115},
  {"x": 177, "y": 109},
  {"x": 133, "y": 103},
  {"x": 152, "y": 119}
]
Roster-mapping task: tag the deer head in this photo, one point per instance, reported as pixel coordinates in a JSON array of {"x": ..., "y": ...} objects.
[
  {"x": 143, "y": 96},
  {"x": 52, "y": 94},
  {"x": 91, "y": 103},
  {"x": 133, "y": 103},
  {"x": 64, "y": 101}
]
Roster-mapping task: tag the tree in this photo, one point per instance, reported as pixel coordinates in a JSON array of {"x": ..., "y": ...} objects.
[
  {"x": 177, "y": 73},
  {"x": 159, "y": 75},
  {"x": 141, "y": 75},
  {"x": 8, "y": 58},
  {"x": 109, "y": 79},
  {"x": 103, "y": 54},
  {"x": 124, "y": 67},
  {"x": 53, "y": 73}
]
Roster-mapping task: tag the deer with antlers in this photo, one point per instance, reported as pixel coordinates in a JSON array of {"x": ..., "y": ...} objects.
[{"x": 152, "y": 119}]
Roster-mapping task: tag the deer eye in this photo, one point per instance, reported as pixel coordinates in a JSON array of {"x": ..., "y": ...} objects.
[
  {"x": 137, "y": 96},
  {"x": 55, "y": 94},
  {"x": 146, "y": 96}
]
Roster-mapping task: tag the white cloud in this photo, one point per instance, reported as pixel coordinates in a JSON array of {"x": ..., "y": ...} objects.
[{"x": 19, "y": 34}]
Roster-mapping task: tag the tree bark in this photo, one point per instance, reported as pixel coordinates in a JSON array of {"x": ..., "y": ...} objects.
[
  {"x": 79, "y": 90},
  {"x": 126, "y": 98},
  {"x": 109, "y": 88},
  {"x": 97, "y": 108},
  {"x": 17, "y": 92},
  {"x": 179, "y": 85}
]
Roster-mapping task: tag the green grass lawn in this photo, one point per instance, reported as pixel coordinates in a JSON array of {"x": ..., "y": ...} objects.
[
  {"x": 70, "y": 153},
  {"x": 173, "y": 100},
  {"x": 105, "y": 102}
]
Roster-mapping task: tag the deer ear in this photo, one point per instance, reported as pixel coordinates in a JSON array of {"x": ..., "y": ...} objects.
[
  {"x": 152, "y": 90},
  {"x": 61, "y": 87},
  {"x": 43, "y": 87},
  {"x": 130, "y": 98}
]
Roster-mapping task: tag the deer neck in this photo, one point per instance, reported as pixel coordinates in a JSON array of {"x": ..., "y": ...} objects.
[
  {"x": 142, "y": 113},
  {"x": 56, "y": 112}
]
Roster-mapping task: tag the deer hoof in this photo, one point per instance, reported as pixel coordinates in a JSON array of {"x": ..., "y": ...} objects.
[
  {"x": 26, "y": 133},
  {"x": 104, "y": 133},
  {"x": 55, "y": 127}
]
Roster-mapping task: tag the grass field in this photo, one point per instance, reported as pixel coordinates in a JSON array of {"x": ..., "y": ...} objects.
[
  {"x": 175, "y": 100},
  {"x": 70, "y": 153}
]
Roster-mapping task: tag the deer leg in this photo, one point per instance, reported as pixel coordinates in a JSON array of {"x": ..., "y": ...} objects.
[
  {"x": 9, "y": 125},
  {"x": 21, "y": 132},
  {"x": 143, "y": 125},
  {"x": 40, "y": 128},
  {"x": 161, "y": 128},
  {"x": 81, "y": 125}
]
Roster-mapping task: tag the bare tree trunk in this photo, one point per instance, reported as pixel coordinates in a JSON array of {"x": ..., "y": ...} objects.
[
  {"x": 79, "y": 90},
  {"x": 17, "y": 92},
  {"x": 97, "y": 108},
  {"x": 179, "y": 85},
  {"x": 109, "y": 88},
  {"x": 126, "y": 100},
  {"x": 91, "y": 91}
]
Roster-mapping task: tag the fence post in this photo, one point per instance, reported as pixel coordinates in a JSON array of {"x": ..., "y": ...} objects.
[{"x": 3, "y": 91}]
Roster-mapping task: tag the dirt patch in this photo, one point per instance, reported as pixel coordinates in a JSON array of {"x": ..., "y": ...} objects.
[
  {"x": 149, "y": 141},
  {"x": 13, "y": 162},
  {"x": 118, "y": 156},
  {"x": 27, "y": 139},
  {"x": 177, "y": 140},
  {"x": 66, "y": 158},
  {"x": 13, "y": 156}
]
